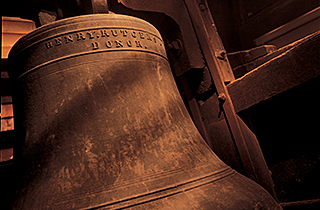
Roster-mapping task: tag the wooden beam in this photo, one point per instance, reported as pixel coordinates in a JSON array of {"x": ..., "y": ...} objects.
[
  {"x": 298, "y": 64},
  {"x": 210, "y": 43}
]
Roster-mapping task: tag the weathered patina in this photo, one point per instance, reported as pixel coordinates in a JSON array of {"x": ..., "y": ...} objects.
[{"x": 102, "y": 124}]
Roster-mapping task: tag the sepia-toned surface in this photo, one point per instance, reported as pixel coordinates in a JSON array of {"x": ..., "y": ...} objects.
[{"x": 102, "y": 124}]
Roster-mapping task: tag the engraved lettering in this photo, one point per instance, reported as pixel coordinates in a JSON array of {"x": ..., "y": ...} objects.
[
  {"x": 138, "y": 44},
  {"x": 133, "y": 34},
  {"x": 91, "y": 34},
  {"x": 58, "y": 41},
  {"x": 108, "y": 44},
  {"x": 104, "y": 33},
  {"x": 68, "y": 38},
  {"x": 119, "y": 43},
  {"x": 49, "y": 45},
  {"x": 114, "y": 32},
  {"x": 95, "y": 45},
  {"x": 141, "y": 35},
  {"x": 124, "y": 32},
  {"x": 129, "y": 43},
  {"x": 154, "y": 39},
  {"x": 148, "y": 37},
  {"x": 80, "y": 36}
]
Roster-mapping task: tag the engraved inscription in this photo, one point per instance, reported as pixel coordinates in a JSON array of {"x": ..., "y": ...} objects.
[
  {"x": 148, "y": 37},
  {"x": 108, "y": 44},
  {"x": 129, "y": 43},
  {"x": 49, "y": 45},
  {"x": 80, "y": 36},
  {"x": 133, "y": 34},
  {"x": 141, "y": 35},
  {"x": 68, "y": 39},
  {"x": 58, "y": 41},
  {"x": 114, "y": 32},
  {"x": 104, "y": 33},
  {"x": 138, "y": 44},
  {"x": 90, "y": 33},
  {"x": 118, "y": 43},
  {"x": 95, "y": 45},
  {"x": 124, "y": 32},
  {"x": 105, "y": 38}
]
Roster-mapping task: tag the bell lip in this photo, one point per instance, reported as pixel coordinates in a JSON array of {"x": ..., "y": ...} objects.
[{"x": 18, "y": 47}]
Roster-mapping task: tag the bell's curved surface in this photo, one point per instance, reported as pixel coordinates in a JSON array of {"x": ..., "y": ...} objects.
[{"x": 102, "y": 124}]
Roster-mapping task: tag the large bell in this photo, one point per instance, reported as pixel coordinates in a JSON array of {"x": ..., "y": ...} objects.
[{"x": 102, "y": 124}]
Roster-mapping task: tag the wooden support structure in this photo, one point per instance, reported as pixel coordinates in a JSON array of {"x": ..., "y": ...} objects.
[
  {"x": 212, "y": 48},
  {"x": 293, "y": 65}
]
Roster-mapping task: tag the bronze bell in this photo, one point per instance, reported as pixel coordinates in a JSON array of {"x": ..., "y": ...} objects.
[{"x": 102, "y": 124}]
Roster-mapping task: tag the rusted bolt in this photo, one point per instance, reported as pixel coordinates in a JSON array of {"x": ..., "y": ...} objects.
[
  {"x": 222, "y": 55},
  {"x": 222, "y": 98},
  {"x": 202, "y": 7},
  {"x": 175, "y": 47}
]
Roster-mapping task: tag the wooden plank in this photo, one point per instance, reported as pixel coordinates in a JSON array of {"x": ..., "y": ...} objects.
[
  {"x": 6, "y": 154},
  {"x": 298, "y": 64},
  {"x": 13, "y": 28},
  {"x": 271, "y": 17},
  {"x": 6, "y": 110},
  {"x": 6, "y": 100},
  {"x": 17, "y": 25},
  {"x": 246, "y": 56},
  {"x": 312, "y": 16},
  {"x": 7, "y": 124}
]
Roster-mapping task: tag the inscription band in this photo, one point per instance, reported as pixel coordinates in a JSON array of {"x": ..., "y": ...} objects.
[{"x": 36, "y": 40}]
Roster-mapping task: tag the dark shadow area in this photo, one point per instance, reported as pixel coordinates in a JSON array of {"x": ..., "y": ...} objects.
[{"x": 287, "y": 127}]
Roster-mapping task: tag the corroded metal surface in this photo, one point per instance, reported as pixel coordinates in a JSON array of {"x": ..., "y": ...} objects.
[{"x": 102, "y": 124}]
